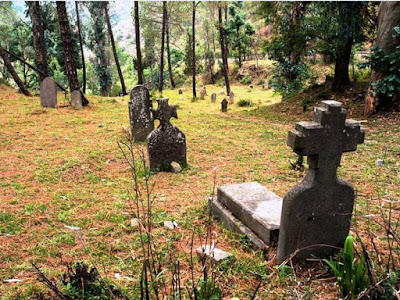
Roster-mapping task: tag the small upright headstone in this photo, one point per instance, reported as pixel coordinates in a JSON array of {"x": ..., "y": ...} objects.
[
  {"x": 166, "y": 143},
  {"x": 213, "y": 97},
  {"x": 76, "y": 100},
  {"x": 205, "y": 90},
  {"x": 180, "y": 92},
  {"x": 202, "y": 94},
  {"x": 224, "y": 105},
  {"x": 142, "y": 122},
  {"x": 231, "y": 98},
  {"x": 221, "y": 92},
  {"x": 266, "y": 84},
  {"x": 318, "y": 210},
  {"x": 48, "y": 93}
]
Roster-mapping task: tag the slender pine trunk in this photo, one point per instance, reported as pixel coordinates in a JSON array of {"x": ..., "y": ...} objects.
[
  {"x": 161, "y": 71},
  {"x": 10, "y": 68},
  {"x": 194, "y": 49},
  {"x": 78, "y": 23},
  {"x": 223, "y": 51},
  {"x": 67, "y": 46},
  {"x": 38, "y": 38},
  {"x": 114, "y": 49},
  {"x": 139, "y": 66},
  {"x": 171, "y": 75}
]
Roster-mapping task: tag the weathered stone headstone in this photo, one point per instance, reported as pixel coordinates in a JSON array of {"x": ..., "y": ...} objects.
[
  {"x": 202, "y": 94},
  {"x": 224, "y": 105},
  {"x": 48, "y": 93},
  {"x": 180, "y": 92},
  {"x": 166, "y": 143},
  {"x": 222, "y": 92},
  {"x": 231, "y": 98},
  {"x": 318, "y": 210},
  {"x": 213, "y": 97},
  {"x": 140, "y": 116},
  {"x": 266, "y": 84},
  {"x": 76, "y": 99}
]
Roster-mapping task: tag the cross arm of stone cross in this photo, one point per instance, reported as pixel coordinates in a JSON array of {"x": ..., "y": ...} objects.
[
  {"x": 164, "y": 112},
  {"x": 329, "y": 134}
]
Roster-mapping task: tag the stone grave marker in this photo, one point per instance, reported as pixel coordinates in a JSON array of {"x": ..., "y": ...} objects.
[
  {"x": 48, "y": 93},
  {"x": 318, "y": 210},
  {"x": 76, "y": 99},
  {"x": 266, "y": 84},
  {"x": 180, "y": 92},
  {"x": 222, "y": 92},
  {"x": 224, "y": 105},
  {"x": 231, "y": 98},
  {"x": 213, "y": 97},
  {"x": 140, "y": 116},
  {"x": 166, "y": 143},
  {"x": 202, "y": 94}
]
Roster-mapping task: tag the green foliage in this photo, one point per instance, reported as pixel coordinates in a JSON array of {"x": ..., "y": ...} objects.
[
  {"x": 244, "y": 102},
  {"x": 208, "y": 291},
  {"x": 351, "y": 276},
  {"x": 288, "y": 45},
  {"x": 84, "y": 282},
  {"x": 238, "y": 30},
  {"x": 97, "y": 43},
  {"x": 387, "y": 63},
  {"x": 246, "y": 79}
]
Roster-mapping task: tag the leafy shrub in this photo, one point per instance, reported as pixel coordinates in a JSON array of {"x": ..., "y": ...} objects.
[
  {"x": 351, "y": 276},
  {"x": 244, "y": 102},
  {"x": 246, "y": 79},
  {"x": 387, "y": 63},
  {"x": 208, "y": 291},
  {"x": 307, "y": 102}
]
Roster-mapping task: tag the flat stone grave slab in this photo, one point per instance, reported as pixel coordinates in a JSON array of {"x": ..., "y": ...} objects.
[{"x": 255, "y": 206}]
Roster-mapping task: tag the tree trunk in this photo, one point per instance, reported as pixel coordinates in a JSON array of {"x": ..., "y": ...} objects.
[
  {"x": 388, "y": 18},
  {"x": 10, "y": 68},
  {"x": 114, "y": 49},
  {"x": 210, "y": 66},
  {"x": 161, "y": 71},
  {"x": 194, "y": 49},
  {"x": 223, "y": 51},
  {"x": 38, "y": 38},
  {"x": 171, "y": 76},
  {"x": 239, "y": 49},
  {"x": 341, "y": 79},
  {"x": 67, "y": 46},
  {"x": 139, "y": 66},
  {"x": 78, "y": 23}
]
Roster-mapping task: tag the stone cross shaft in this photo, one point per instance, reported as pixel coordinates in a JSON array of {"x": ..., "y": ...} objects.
[
  {"x": 165, "y": 112},
  {"x": 325, "y": 139}
]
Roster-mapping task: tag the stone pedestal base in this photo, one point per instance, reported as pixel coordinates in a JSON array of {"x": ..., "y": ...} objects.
[{"x": 250, "y": 209}]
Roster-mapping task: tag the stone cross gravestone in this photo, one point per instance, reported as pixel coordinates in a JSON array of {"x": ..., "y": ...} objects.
[
  {"x": 224, "y": 105},
  {"x": 48, "y": 93},
  {"x": 166, "y": 143},
  {"x": 202, "y": 94},
  {"x": 318, "y": 210},
  {"x": 140, "y": 116},
  {"x": 76, "y": 99},
  {"x": 231, "y": 98},
  {"x": 213, "y": 97}
]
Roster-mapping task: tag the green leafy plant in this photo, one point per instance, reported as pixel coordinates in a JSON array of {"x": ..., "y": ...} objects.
[
  {"x": 244, "y": 103},
  {"x": 351, "y": 276},
  {"x": 246, "y": 79},
  {"x": 208, "y": 291}
]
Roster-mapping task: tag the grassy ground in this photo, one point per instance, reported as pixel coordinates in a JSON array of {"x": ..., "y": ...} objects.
[{"x": 63, "y": 167}]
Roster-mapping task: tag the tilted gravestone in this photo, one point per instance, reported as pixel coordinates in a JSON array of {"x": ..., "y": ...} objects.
[
  {"x": 213, "y": 97},
  {"x": 318, "y": 210},
  {"x": 48, "y": 93},
  {"x": 231, "y": 98},
  {"x": 202, "y": 94},
  {"x": 224, "y": 105},
  {"x": 141, "y": 119},
  {"x": 166, "y": 143},
  {"x": 76, "y": 99}
]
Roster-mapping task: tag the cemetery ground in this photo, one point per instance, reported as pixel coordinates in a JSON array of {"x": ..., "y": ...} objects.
[{"x": 62, "y": 167}]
